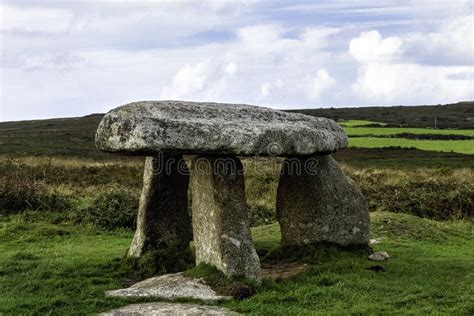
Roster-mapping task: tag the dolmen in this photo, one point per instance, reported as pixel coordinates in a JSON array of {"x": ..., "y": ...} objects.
[{"x": 316, "y": 202}]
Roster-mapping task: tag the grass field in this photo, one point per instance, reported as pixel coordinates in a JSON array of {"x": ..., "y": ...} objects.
[
  {"x": 350, "y": 131},
  {"x": 458, "y": 146},
  {"x": 61, "y": 269},
  {"x": 356, "y": 123},
  {"x": 361, "y": 136}
]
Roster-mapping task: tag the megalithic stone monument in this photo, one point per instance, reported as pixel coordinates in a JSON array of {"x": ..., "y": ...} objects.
[{"x": 318, "y": 204}]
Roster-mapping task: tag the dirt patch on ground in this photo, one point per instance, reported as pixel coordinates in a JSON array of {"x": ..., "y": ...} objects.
[{"x": 281, "y": 271}]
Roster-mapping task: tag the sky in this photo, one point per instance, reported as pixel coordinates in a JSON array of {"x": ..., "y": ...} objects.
[{"x": 72, "y": 58}]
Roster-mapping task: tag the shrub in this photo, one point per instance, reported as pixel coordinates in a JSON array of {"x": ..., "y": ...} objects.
[
  {"x": 111, "y": 208},
  {"x": 440, "y": 195},
  {"x": 20, "y": 191},
  {"x": 19, "y": 196}
]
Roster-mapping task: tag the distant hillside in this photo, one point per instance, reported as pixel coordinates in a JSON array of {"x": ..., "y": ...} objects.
[
  {"x": 459, "y": 115},
  {"x": 63, "y": 136},
  {"x": 75, "y": 136}
]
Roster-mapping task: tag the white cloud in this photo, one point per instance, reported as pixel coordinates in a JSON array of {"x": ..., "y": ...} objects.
[
  {"x": 230, "y": 69},
  {"x": 453, "y": 43},
  {"x": 388, "y": 73},
  {"x": 188, "y": 81},
  {"x": 61, "y": 61},
  {"x": 50, "y": 20},
  {"x": 78, "y": 57},
  {"x": 370, "y": 46},
  {"x": 386, "y": 78},
  {"x": 385, "y": 83},
  {"x": 317, "y": 37},
  {"x": 319, "y": 83},
  {"x": 263, "y": 38},
  {"x": 265, "y": 89}
]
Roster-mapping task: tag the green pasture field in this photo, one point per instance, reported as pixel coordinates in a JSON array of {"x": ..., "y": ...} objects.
[
  {"x": 62, "y": 269},
  {"x": 457, "y": 146},
  {"x": 351, "y": 130},
  {"x": 355, "y": 123},
  {"x": 366, "y": 137}
]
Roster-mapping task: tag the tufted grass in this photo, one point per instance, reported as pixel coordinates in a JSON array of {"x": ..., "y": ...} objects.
[{"x": 61, "y": 269}]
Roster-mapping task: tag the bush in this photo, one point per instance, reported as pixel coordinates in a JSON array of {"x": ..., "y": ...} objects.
[
  {"x": 16, "y": 200},
  {"x": 20, "y": 191},
  {"x": 111, "y": 208},
  {"x": 18, "y": 196},
  {"x": 440, "y": 196}
]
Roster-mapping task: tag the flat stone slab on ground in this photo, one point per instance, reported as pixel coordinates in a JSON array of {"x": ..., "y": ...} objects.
[
  {"x": 379, "y": 256},
  {"x": 172, "y": 309},
  {"x": 180, "y": 127},
  {"x": 170, "y": 286}
]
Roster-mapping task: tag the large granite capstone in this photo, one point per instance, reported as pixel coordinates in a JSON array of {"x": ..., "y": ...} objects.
[{"x": 179, "y": 127}]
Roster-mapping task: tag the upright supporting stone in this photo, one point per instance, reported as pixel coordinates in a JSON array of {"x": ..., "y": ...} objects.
[
  {"x": 316, "y": 202},
  {"x": 163, "y": 221},
  {"x": 220, "y": 224}
]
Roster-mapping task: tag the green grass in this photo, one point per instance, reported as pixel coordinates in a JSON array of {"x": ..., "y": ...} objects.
[
  {"x": 57, "y": 269},
  {"x": 64, "y": 270},
  {"x": 351, "y": 130},
  {"x": 357, "y": 123},
  {"x": 429, "y": 272},
  {"x": 457, "y": 146},
  {"x": 459, "y": 115}
]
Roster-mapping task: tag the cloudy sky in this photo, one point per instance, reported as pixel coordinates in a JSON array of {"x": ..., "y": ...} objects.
[{"x": 69, "y": 58}]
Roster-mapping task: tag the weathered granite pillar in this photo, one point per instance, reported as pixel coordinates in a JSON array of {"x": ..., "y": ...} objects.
[
  {"x": 316, "y": 202},
  {"x": 219, "y": 215},
  {"x": 163, "y": 220}
]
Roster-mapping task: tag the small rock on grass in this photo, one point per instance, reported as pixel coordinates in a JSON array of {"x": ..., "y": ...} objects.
[
  {"x": 379, "y": 256},
  {"x": 375, "y": 241}
]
